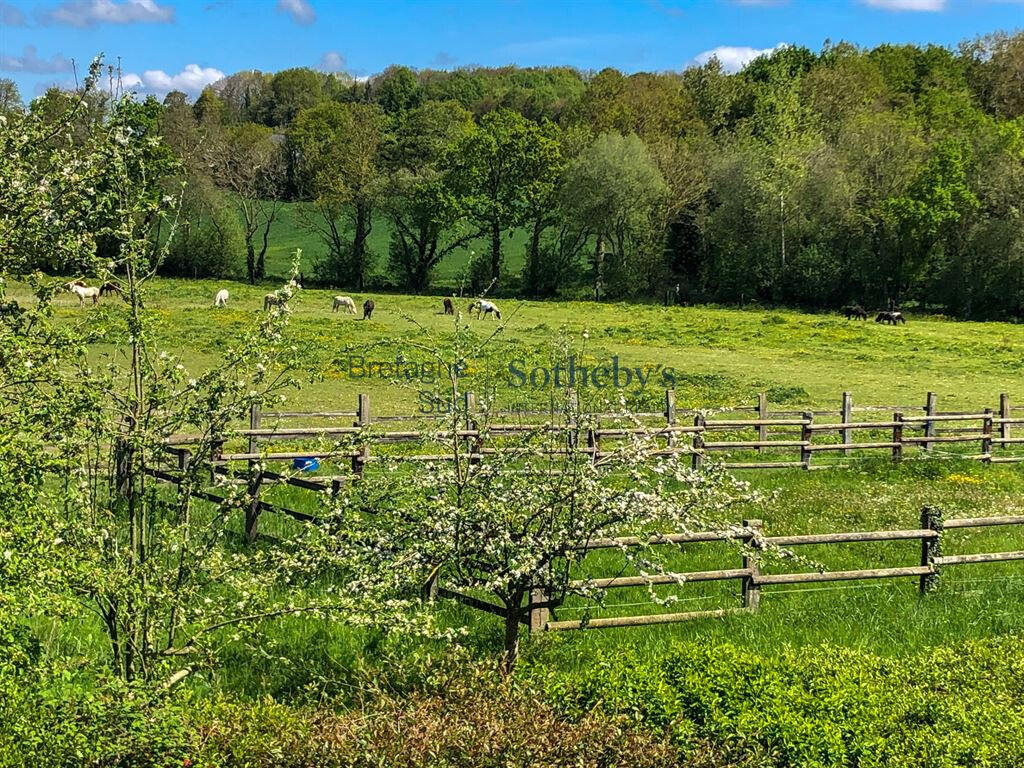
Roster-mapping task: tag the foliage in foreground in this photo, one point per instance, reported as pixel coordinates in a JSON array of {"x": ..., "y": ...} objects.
[
  {"x": 818, "y": 707},
  {"x": 695, "y": 705},
  {"x": 469, "y": 718}
]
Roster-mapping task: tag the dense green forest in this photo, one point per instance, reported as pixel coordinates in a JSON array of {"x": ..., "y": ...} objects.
[{"x": 808, "y": 179}]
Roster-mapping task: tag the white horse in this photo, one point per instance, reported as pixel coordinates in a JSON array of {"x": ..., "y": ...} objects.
[
  {"x": 221, "y": 299},
  {"x": 83, "y": 292},
  {"x": 485, "y": 307},
  {"x": 346, "y": 302}
]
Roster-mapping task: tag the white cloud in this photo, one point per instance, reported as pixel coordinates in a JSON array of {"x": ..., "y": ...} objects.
[
  {"x": 10, "y": 15},
  {"x": 332, "y": 61},
  {"x": 29, "y": 61},
  {"x": 733, "y": 58},
  {"x": 300, "y": 11},
  {"x": 86, "y": 13},
  {"x": 908, "y": 5},
  {"x": 192, "y": 79}
]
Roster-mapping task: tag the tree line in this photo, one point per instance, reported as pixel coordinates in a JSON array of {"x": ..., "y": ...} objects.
[{"x": 808, "y": 178}]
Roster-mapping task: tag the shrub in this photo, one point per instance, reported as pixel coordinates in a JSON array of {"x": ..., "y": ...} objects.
[
  {"x": 209, "y": 241},
  {"x": 474, "y": 719},
  {"x": 811, "y": 708}
]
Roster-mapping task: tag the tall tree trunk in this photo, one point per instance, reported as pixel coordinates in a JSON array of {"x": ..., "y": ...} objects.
[
  {"x": 495, "y": 249},
  {"x": 261, "y": 260},
  {"x": 250, "y": 261},
  {"x": 512, "y": 634},
  {"x": 359, "y": 243}
]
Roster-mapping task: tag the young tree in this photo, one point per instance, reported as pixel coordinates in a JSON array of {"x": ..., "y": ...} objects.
[
  {"x": 616, "y": 192},
  {"x": 336, "y": 149},
  {"x": 513, "y": 523},
  {"x": 289, "y": 92},
  {"x": 101, "y": 535},
  {"x": 251, "y": 164},
  {"x": 425, "y": 208},
  {"x": 503, "y": 166},
  {"x": 10, "y": 98}
]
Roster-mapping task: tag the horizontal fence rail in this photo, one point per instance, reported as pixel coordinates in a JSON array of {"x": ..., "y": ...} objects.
[
  {"x": 752, "y": 579},
  {"x": 740, "y": 437}
]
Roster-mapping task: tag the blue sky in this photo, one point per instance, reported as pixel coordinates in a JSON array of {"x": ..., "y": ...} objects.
[{"x": 185, "y": 44}]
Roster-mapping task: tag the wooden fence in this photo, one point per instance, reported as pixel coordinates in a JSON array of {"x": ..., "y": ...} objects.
[
  {"x": 811, "y": 436},
  {"x": 753, "y": 579},
  {"x": 754, "y": 436}
]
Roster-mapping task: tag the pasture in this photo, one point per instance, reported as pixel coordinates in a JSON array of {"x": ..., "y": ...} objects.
[{"x": 721, "y": 357}]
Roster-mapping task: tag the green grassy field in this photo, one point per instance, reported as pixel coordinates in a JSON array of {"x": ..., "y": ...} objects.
[
  {"x": 720, "y": 357},
  {"x": 289, "y": 233}
]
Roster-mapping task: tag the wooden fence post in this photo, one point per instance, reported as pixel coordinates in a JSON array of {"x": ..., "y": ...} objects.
[
  {"x": 216, "y": 451},
  {"x": 122, "y": 470},
  {"x": 929, "y": 425},
  {"x": 593, "y": 444},
  {"x": 538, "y": 610},
  {"x": 698, "y": 441},
  {"x": 751, "y": 562},
  {"x": 986, "y": 437},
  {"x": 184, "y": 464},
  {"x": 806, "y": 434},
  {"x": 252, "y": 512},
  {"x": 897, "y": 436},
  {"x": 931, "y": 549},
  {"x": 572, "y": 437},
  {"x": 430, "y": 588},
  {"x": 362, "y": 420},
  {"x": 762, "y": 415},
  {"x": 670, "y": 414},
  {"x": 846, "y": 416},
  {"x": 1004, "y": 414}
]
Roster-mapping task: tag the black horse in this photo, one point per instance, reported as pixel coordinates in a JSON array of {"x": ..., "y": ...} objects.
[
  {"x": 368, "y": 307},
  {"x": 892, "y": 318},
  {"x": 855, "y": 311}
]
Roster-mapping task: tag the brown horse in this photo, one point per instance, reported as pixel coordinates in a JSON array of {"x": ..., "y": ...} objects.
[
  {"x": 449, "y": 308},
  {"x": 855, "y": 311},
  {"x": 368, "y": 307}
]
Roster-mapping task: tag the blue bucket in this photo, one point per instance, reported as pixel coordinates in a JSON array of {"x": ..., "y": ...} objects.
[{"x": 309, "y": 464}]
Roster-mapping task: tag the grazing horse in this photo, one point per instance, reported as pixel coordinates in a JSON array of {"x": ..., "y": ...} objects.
[
  {"x": 368, "y": 307},
  {"x": 892, "y": 318},
  {"x": 449, "y": 308},
  {"x": 109, "y": 287},
  {"x": 272, "y": 300},
  {"x": 855, "y": 311},
  {"x": 485, "y": 307},
  {"x": 346, "y": 302},
  {"x": 221, "y": 299},
  {"x": 83, "y": 292}
]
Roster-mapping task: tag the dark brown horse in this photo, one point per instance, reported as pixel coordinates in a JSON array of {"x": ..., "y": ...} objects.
[
  {"x": 368, "y": 307},
  {"x": 855, "y": 311},
  {"x": 449, "y": 308}
]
